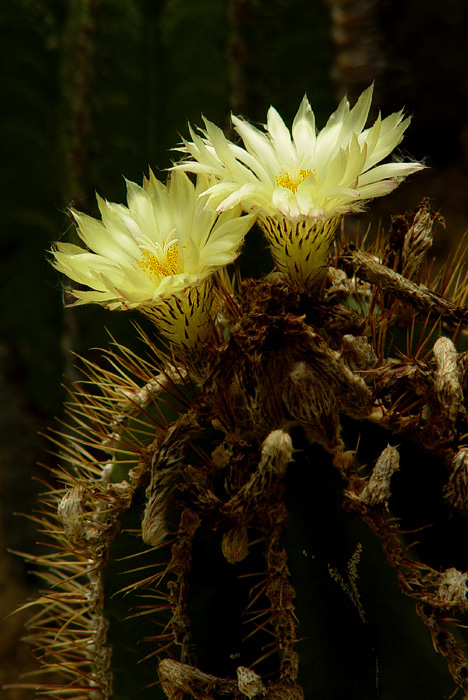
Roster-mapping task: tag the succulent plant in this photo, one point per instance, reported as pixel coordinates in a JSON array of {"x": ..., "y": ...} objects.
[{"x": 179, "y": 519}]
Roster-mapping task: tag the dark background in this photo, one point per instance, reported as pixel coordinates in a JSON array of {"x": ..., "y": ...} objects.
[{"x": 95, "y": 90}]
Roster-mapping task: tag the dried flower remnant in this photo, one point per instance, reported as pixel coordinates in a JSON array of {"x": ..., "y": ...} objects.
[
  {"x": 156, "y": 255},
  {"x": 452, "y": 589},
  {"x": 447, "y": 387},
  {"x": 235, "y": 544},
  {"x": 300, "y": 183},
  {"x": 250, "y": 683},
  {"x": 410, "y": 238},
  {"x": 377, "y": 491},
  {"x": 456, "y": 489}
]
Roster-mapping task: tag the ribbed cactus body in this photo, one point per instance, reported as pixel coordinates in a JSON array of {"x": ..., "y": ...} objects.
[{"x": 240, "y": 526}]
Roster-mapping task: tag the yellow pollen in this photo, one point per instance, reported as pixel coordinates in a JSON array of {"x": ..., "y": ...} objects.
[
  {"x": 290, "y": 184},
  {"x": 153, "y": 264}
]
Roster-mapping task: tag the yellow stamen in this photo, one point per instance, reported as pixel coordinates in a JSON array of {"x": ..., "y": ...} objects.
[
  {"x": 166, "y": 267},
  {"x": 290, "y": 184}
]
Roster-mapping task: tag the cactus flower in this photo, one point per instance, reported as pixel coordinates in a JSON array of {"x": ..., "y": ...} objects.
[
  {"x": 300, "y": 183},
  {"x": 156, "y": 255}
]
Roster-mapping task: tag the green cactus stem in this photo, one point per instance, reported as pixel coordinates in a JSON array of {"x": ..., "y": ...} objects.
[{"x": 176, "y": 544}]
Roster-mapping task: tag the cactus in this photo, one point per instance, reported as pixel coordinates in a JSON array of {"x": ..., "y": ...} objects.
[{"x": 186, "y": 469}]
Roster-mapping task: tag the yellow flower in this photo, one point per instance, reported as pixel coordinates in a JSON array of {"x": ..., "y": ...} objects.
[
  {"x": 300, "y": 183},
  {"x": 156, "y": 255}
]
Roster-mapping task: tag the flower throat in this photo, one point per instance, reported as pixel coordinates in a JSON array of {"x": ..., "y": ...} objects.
[
  {"x": 290, "y": 183},
  {"x": 165, "y": 265}
]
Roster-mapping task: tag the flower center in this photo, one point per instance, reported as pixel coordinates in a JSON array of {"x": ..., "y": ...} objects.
[
  {"x": 164, "y": 265},
  {"x": 290, "y": 183}
]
